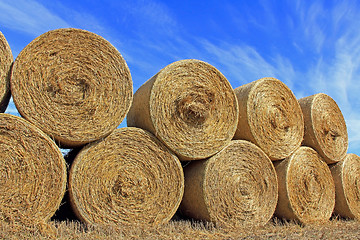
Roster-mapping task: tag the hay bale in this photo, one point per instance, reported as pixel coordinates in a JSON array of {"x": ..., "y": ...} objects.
[
  {"x": 73, "y": 84},
  {"x": 6, "y": 60},
  {"x": 190, "y": 106},
  {"x": 234, "y": 188},
  {"x": 346, "y": 174},
  {"x": 129, "y": 177},
  {"x": 325, "y": 127},
  {"x": 270, "y": 117},
  {"x": 33, "y": 172},
  {"x": 306, "y": 187}
]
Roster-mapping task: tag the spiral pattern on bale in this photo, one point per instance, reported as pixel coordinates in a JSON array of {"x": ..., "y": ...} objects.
[
  {"x": 190, "y": 106},
  {"x": 346, "y": 174},
  {"x": 73, "y": 84},
  {"x": 306, "y": 188},
  {"x": 129, "y": 177},
  {"x": 6, "y": 60},
  {"x": 270, "y": 116},
  {"x": 325, "y": 127},
  {"x": 234, "y": 188},
  {"x": 33, "y": 172}
]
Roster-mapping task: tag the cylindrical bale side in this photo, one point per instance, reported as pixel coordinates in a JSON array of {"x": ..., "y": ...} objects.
[
  {"x": 236, "y": 187},
  {"x": 72, "y": 84},
  {"x": 190, "y": 106},
  {"x": 6, "y": 60},
  {"x": 306, "y": 187},
  {"x": 129, "y": 177},
  {"x": 325, "y": 127},
  {"x": 270, "y": 116},
  {"x": 346, "y": 174},
  {"x": 33, "y": 172}
]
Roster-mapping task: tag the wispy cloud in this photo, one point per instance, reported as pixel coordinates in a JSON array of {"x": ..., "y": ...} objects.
[{"x": 28, "y": 16}]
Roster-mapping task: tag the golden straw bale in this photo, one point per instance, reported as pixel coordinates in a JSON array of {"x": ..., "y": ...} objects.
[
  {"x": 306, "y": 187},
  {"x": 190, "y": 106},
  {"x": 33, "y": 172},
  {"x": 73, "y": 84},
  {"x": 6, "y": 60},
  {"x": 270, "y": 117},
  {"x": 346, "y": 174},
  {"x": 129, "y": 177},
  {"x": 325, "y": 127},
  {"x": 234, "y": 188}
]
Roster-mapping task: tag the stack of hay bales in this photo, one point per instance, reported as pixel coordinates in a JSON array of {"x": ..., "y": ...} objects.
[{"x": 248, "y": 152}]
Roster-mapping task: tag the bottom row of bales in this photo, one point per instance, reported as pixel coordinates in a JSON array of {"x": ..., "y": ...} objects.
[{"x": 131, "y": 177}]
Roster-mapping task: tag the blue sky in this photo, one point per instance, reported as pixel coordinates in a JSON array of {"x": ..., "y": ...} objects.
[{"x": 312, "y": 46}]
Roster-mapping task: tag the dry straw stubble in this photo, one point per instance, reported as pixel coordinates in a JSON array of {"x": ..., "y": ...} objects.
[
  {"x": 306, "y": 187},
  {"x": 236, "y": 187},
  {"x": 6, "y": 60},
  {"x": 346, "y": 174},
  {"x": 129, "y": 177},
  {"x": 73, "y": 84},
  {"x": 270, "y": 117},
  {"x": 190, "y": 106},
  {"x": 325, "y": 127},
  {"x": 33, "y": 172}
]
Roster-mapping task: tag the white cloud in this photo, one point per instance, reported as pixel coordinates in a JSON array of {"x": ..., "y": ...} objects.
[{"x": 28, "y": 16}]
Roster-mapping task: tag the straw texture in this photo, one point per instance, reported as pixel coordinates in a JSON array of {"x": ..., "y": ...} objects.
[
  {"x": 270, "y": 117},
  {"x": 346, "y": 176},
  {"x": 236, "y": 187},
  {"x": 190, "y": 106},
  {"x": 306, "y": 187},
  {"x": 33, "y": 172},
  {"x": 73, "y": 84},
  {"x": 129, "y": 177},
  {"x": 6, "y": 60},
  {"x": 325, "y": 127}
]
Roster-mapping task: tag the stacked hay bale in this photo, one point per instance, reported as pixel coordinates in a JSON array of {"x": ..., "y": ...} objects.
[
  {"x": 6, "y": 61},
  {"x": 33, "y": 172},
  {"x": 73, "y": 84}
]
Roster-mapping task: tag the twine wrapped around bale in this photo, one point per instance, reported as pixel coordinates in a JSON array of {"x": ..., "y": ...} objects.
[
  {"x": 270, "y": 117},
  {"x": 73, "y": 84},
  {"x": 129, "y": 177},
  {"x": 325, "y": 127},
  {"x": 33, "y": 172},
  {"x": 306, "y": 187},
  {"x": 346, "y": 174},
  {"x": 234, "y": 188},
  {"x": 6, "y": 60},
  {"x": 190, "y": 106}
]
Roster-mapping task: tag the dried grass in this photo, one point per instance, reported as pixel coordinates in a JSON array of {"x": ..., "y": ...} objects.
[
  {"x": 306, "y": 188},
  {"x": 33, "y": 172},
  {"x": 73, "y": 84},
  {"x": 270, "y": 117},
  {"x": 346, "y": 174},
  {"x": 236, "y": 187},
  {"x": 6, "y": 60},
  {"x": 190, "y": 106},
  {"x": 129, "y": 177},
  {"x": 325, "y": 127}
]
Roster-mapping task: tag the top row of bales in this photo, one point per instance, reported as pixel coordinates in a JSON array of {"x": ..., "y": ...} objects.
[{"x": 76, "y": 87}]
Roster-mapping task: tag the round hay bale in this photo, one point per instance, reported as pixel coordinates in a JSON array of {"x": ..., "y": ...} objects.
[
  {"x": 190, "y": 106},
  {"x": 270, "y": 117},
  {"x": 325, "y": 127},
  {"x": 234, "y": 188},
  {"x": 6, "y": 60},
  {"x": 73, "y": 84},
  {"x": 346, "y": 176},
  {"x": 33, "y": 172},
  {"x": 129, "y": 177},
  {"x": 306, "y": 187}
]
